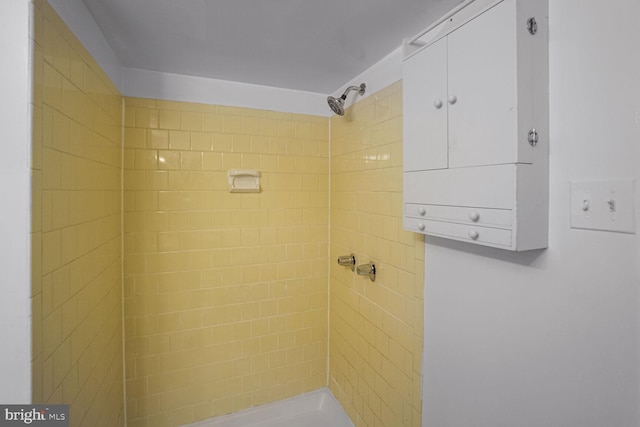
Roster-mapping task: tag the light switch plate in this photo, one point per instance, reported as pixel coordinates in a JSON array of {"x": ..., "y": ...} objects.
[{"x": 603, "y": 205}]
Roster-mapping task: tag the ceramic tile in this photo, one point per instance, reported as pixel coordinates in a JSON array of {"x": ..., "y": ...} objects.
[
  {"x": 77, "y": 138},
  {"x": 214, "y": 254}
]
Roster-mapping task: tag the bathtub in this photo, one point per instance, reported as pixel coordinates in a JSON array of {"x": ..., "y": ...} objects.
[{"x": 315, "y": 409}]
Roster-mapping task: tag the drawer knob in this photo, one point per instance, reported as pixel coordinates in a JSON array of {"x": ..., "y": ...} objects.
[
  {"x": 422, "y": 211},
  {"x": 453, "y": 99},
  {"x": 474, "y": 216},
  {"x": 421, "y": 226},
  {"x": 437, "y": 103},
  {"x": 473, "y": 235}
]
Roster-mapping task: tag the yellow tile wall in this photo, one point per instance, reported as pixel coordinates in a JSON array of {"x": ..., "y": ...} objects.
[
  {"x": 375, "y": 328},
  {"x": 76, "y": 228},
  {"x": 225, "y": 294}
]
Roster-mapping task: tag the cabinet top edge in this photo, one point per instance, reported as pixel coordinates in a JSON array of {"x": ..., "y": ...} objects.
[{"x": 451, "y": 21}]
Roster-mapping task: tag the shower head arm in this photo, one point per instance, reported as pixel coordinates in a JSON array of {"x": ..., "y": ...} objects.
[
  {"x": 337, "y": 105},
  {"x": 360, "y": 90}
]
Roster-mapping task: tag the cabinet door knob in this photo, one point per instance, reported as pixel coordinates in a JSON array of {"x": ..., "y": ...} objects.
[
  {"x": 453, "y": 99},
  {"x": 421, "y": 226},
  {"x": 474, "y": 216},
  {"x": 437, "y": 103},
  {"x": 422, "y": 211},
  {"x": 473, "y": 235}
]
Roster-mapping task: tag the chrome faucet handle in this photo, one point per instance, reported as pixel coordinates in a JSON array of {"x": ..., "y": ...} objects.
[
  {"x": 347, "y": 261},
  {"x": 367, "y": 270}
]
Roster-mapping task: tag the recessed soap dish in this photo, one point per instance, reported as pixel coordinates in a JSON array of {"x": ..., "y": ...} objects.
[{"x": 244, "y": 180}]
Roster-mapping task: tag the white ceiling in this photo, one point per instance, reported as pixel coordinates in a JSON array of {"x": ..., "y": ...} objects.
[{"x": 308, "y": 45}]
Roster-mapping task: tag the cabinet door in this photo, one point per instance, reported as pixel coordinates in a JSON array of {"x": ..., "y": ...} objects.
[
  {"x": 482, "y": 89},
  {"x": 425, "y": 109}
]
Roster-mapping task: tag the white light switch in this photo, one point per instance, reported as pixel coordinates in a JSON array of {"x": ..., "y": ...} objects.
[{"x": 603, "y": 205}]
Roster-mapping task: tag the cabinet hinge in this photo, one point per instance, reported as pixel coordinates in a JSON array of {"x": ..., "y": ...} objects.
[
  {"x": 533, "y": 137},
  {"x": 532, "y": 26}
]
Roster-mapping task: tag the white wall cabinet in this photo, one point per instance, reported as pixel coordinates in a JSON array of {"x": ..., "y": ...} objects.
[
  {"x": 475, "y": 96},
  {"x": 425, "y": 109}
]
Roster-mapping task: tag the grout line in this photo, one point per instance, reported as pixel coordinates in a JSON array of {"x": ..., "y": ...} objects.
[
  {"x": 29, "y": 225},
  {"x": 124, "y": 364},
  {"x": 329, "y": 254}
]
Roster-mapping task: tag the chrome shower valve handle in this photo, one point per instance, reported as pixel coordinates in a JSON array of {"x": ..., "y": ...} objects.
[
  {"x": 347, "y": 261},
  {"x": 367, "y": 270}
]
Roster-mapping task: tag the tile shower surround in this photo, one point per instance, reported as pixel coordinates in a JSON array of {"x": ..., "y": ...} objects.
[
  {"x": 225, "y": 293},
  {"x": 226, "y": 296},
  {"x": 76, "y": 228}
]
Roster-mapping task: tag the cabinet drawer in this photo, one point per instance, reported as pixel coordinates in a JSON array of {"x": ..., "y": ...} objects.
[
  {"x": 492, "y": 187},
  {"x": 461, "y": 214},
  {"x": 468, "y": 233}
]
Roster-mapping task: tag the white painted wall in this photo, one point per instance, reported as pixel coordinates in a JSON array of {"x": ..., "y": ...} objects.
[
  {"x": 551, "y": 338},
  {"x": 380, "y": 75},
  {"x": 176, "y": 87},
  {"x": 179, "y": 87},
  {"x": 15, "y": 197},
  {"x": 78, "y": 18}
]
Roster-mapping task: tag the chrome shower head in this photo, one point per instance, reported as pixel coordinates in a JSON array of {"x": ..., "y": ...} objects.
[{"x": 337, "y": 104}]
